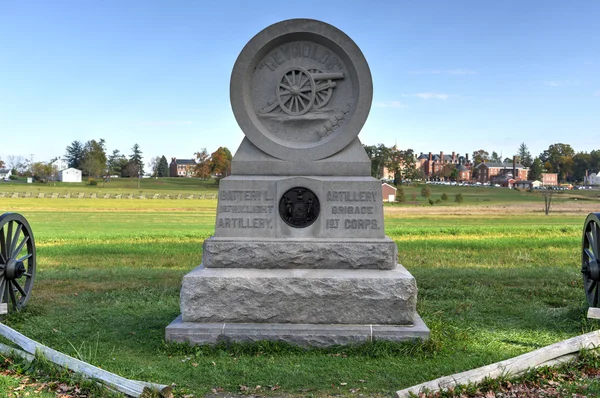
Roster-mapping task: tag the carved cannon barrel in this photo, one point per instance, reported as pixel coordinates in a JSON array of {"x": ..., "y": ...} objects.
[
  {"x": 17, "y": 261},
  {"x": 327, "y": 76}
]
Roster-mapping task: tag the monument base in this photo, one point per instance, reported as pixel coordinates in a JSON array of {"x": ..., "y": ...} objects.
[
  {"x": 304, "y": 335},
  {"x": 303, "y": 296}
]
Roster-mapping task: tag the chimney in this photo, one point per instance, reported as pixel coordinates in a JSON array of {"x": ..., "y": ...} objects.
[
  {"x": 430, "y": 157},
  {"x": 453, "y": 157},
  {"x": 441, "y": 157}
]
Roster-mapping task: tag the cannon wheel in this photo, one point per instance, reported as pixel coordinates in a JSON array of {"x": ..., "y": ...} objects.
[
  {"x": 17, "y": 260},
  {"x": 323, "y": 90},
  {"x": 590, "y": 258},
  {"x": 296, "y": 91}
]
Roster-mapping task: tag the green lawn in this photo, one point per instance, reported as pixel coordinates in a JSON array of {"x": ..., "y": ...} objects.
[{"x": 109, "y": 274}]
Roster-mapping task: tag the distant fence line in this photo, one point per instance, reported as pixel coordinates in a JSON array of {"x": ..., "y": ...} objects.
[{"x": 81, "y": 195}]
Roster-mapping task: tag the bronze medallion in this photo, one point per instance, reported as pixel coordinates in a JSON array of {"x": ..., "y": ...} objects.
[{"x": 299, "y": 207}]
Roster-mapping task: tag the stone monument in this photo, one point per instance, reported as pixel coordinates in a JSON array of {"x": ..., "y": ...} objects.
[{"x": 299, "y": 252}]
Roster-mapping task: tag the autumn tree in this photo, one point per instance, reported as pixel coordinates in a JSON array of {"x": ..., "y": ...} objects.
[
  {"x": 480, "y": 156},
  {"x": 163, "y": 167},
  {"x": 42, "y": 171},
  {"x": 1, "y": 163},
  {"x": 203, "y": 164},
  {"x": 74, "y": 155},
  {"x": 221, "y": 162}
]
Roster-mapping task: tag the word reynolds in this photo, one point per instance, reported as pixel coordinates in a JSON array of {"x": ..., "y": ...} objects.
[{"x": 351, "y": 196}]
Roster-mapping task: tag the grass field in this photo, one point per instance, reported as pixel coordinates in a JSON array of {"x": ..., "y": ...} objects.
[{"x": 496, "y": 278}]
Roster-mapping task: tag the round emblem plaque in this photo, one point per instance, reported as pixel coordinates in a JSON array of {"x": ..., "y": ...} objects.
[
  {"x": 299, "y": 207},
  {"x": 301, "y": 89}
]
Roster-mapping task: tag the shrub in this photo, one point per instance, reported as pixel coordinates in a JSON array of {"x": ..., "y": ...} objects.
[
  {"x": 438, "y": 201},
  {"x": 400, "y": 194},
  {"x": 413, "y": 196},
  {"x": 458, "y": 198},
  {"x": 93, "y": 182},
  {"x": 13, "y": 177},
  {"x": 444, "y": 197},
  {"x": 431, "y": 202},
  {"x": 425, "y": 192}
]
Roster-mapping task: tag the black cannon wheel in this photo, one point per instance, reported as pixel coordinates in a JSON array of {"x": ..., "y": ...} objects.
[
  {"x": 17, "y": 260},
  {"x": 590, "y": 256}
]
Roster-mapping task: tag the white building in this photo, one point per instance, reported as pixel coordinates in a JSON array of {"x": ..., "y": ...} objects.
[
  {"x": 592, "y": 179},
  {"x": 60, "y": 164},
  {"x": 4, "y": 174},
  {"x": 69, "y": 175}
]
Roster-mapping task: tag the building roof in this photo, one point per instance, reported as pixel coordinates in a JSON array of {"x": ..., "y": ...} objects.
[
  {"x": 462, "y": 167},
  {"x": 385, "y": 183},
  {"x": 502, "y": 165},
  {"x": 4, "y": 171},
  {"x": 423, "y": 156},
  {"x": 185, "y": 161}
]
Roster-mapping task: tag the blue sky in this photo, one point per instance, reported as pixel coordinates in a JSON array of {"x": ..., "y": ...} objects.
[{"x": 447, "y": 75}]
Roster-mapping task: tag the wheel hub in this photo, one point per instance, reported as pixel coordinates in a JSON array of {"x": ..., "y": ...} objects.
[
  {"x": 14, "y": 269},
  {"x": 593, "y": 270}
]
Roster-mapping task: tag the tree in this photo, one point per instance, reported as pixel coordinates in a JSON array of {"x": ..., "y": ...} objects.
[
  {"x": 582, "y": 162},
  {"x": 153, "y": 165},
  {"x": 400, "y": 194},
  {"x": 163, "y": 167},
  {"x": 203, "y": 164},
  {"x": 378, "y": 155},
  {"x": 547, "y": 194},
  {"x": 400, "y": 163},
  {"x": 558, "y": 158},
  {"x": 116, "y": 163},
  {"x": 137, "y": 159},
  {"x": 535, "y": 170},
  {"x": 94, "y": 158},
  {"x": 444, "y": 197},
  {"x": 221, "y": 162},
  {"x": 131, "y": 169},
  {"x": 425, "y": 192},
  {"x": 495, "y": 158},
  {"x": 74, "y": 154},
  {"x": 458, "y": 198},
  {"x": 454, "y": 174},
  {"x": 42, "y": 171},
  {"x": 480, "y": 156},
  {"x": 16, "y": 163},
  {"x": 524, "y": 154},
  {"x": 1, "y": 164}
]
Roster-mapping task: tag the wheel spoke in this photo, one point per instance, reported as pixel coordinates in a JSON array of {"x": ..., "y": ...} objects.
[
  {"x": 3, "y": 246},
  {"x": 304, "y": 96},
  {"x": 590, "y": 238},
  {"x": 288, "y": 80},
  {"x": 589, "y": 253},
  {"x": 9, "y": 239},
  {"x": 19, "y": 288},
  {"x": 11, "y": 292},
  {"x": 21, "y": 245},
  {"x": 306, "y": 89},
  {"x": 27, "y": 274},
  {"x": 293, "y": 76},
  {"x": 15, "y": 239},
  {"x": 591, "y": 286},
  {"x": 29, "y": 255},
  {"x": 302, "y": 102},
  {"x": 285, "y": 86}
]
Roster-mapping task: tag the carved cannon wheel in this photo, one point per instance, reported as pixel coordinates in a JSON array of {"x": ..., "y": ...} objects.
[
  {"x": 17, "y": 260},
  {"x": 590, "y": 258},
  {"x": 323, "y": 90},
  {"x": 296, "y": 91}
]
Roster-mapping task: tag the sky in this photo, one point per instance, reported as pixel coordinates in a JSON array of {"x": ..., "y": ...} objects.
[{"x": 448, "y": 75}]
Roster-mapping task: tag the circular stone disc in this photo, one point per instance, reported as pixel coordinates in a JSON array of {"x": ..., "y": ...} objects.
[{"x": 271, "y": 93}]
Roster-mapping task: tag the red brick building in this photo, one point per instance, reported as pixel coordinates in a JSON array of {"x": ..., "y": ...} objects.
[
  {"x": 499, "y": 173},
  {"x": 182, "y": 167},
  {"x": 550, "y": 179},
  {"x": 433, "y": 165}
]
